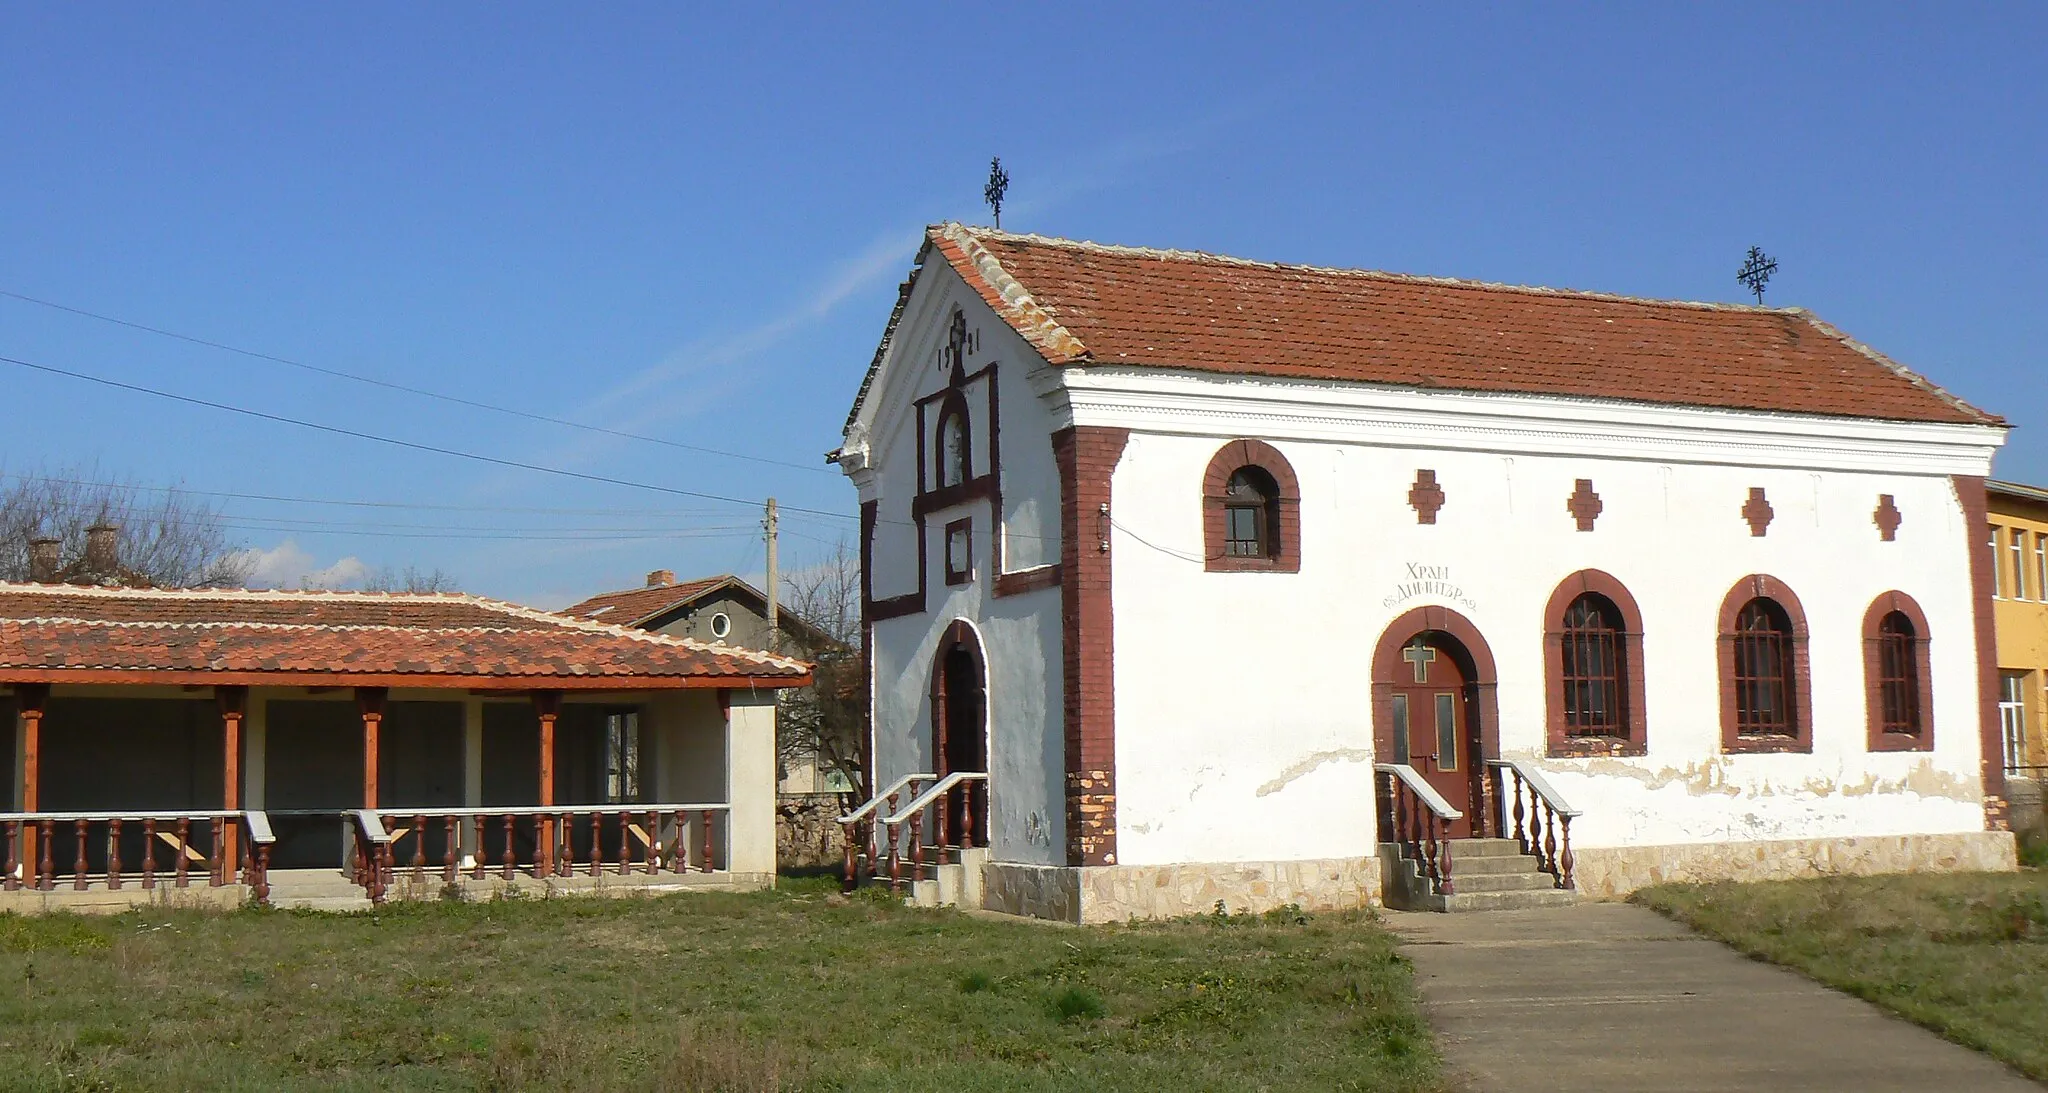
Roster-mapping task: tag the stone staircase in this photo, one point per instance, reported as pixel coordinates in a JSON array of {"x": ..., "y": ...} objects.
[
  {"x": 952, "y": 884},
  {"x": 316, "y": 890},
  {"x": 1486, "y": 875}
]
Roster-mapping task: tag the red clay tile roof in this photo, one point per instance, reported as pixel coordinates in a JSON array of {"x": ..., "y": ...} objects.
[
  {"x": 635, "y": 605},
  {"x": 52, "y": 633},
  {"x": 1086, "y": 303}
]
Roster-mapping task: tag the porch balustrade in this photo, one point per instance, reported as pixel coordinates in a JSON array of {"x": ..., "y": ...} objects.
[
  {"x": 538, "y": 841},
  {"x": 1417, "y": 817},
  {"x": 861, "y": 828},
  {"x": 1544, "y": 827},
  {"x": 145, "y": 849}
]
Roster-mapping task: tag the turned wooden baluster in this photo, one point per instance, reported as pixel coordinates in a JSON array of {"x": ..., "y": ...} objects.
[
  {"x": 476, "y": 862},
  {"x": 79, "y": 866},
  {"x": 1443, "y": 849},
  {"x": 509, "y": 855},
  {"x": 217, "y": 869},
  {"x": 1425, "y": 851},
  {"x": 148, "y": 854},
  {"x": 1549, "y": 838},
  {"x": 709, "y": 826},
  {"x": 385, "y": 869},
  {"x": 596, "y": 844},
  {"x": 969, "y": 834},
  {"x": 263, "y": 874},
  {"x": 895, "y": 859},
  {"x": 46, "y": 870},
  {"x": 419, "y": 849},
  {"x": 917, "y": 847},
  {"x": 13, "y": 879},
  {"x": 626, "y": 855},
  {"x": 184, "y": 848},
  {"x": 653, "y": 861},
  {"x": 944, "y": 828},
  {"x": 450, "y": 850},
  {"x": 1521, "y": 834},
  {"x": 114, "y": 854},
  {"x": 1564, "y": 872}
]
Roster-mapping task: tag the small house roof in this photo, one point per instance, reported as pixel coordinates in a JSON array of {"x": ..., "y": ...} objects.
[
  {"x": 59, "y": 634},
  {"x": 647, "y": 605}
]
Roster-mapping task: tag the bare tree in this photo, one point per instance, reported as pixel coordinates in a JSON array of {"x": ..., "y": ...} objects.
[
  {"x": 826, "y": 724},
  {"x": 410, "y": 579},
  {"x": 169, "y": 538}
]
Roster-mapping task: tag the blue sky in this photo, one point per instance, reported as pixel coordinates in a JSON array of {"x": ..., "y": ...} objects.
[{"x": 690, "y": 223}]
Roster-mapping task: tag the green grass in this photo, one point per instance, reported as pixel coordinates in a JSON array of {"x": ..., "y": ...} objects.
[
  {"x": 1965, "y": 954},
  {"x": 791, "y": 990}
]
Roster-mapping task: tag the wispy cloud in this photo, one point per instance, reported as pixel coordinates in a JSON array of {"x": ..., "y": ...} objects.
[{"x": 288, "y": 565}]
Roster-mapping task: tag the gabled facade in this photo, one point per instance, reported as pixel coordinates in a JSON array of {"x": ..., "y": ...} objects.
[{"x": 1224, "y": 571}]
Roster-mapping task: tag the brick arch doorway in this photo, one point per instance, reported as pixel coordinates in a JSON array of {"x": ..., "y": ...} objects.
[
  {"x": 959, "y": 698},
  {"x": 1435, "y": 708}
]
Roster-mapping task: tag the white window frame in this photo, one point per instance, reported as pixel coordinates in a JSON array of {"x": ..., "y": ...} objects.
[
  {"x": 2041, "y": 564},
  {"x": 2017, "y": 543},
  {"x": 2012, "y": 717}
]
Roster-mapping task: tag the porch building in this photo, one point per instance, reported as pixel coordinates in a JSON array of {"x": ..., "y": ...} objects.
[{"x": 200, "y": 745}]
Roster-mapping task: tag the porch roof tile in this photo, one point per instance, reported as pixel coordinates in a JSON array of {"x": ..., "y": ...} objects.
[{"x": 58, "y": 633}]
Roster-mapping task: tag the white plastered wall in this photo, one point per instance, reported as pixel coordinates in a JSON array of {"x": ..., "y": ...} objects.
[
  {"x": 1020, "y": 634},
  {"x": 1243, "y": 723}
]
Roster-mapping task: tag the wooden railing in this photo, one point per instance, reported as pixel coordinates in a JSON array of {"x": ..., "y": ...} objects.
[
  {"x": 119, "y": 848},
  {"x": 861, "y": 828},
  {"x": 957, "y": 788},
  {"x": 1544, "y": 828},
  {"x": 450, "y": 844},
  {"x": 1417, "y": 817}
]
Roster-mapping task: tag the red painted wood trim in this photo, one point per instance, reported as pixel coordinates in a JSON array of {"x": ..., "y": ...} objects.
[
  {"x": 1749, "y": 588},
  {"x": 1976, "y": 520},
  {"x": 1482, "y": 699},
  {"x": 425, "y": 680},
  {"x": 1636, "y": 742},
  {"x": 1287, "y": 528},
  {"x": 1087, "y": 456},
  {"x": 370, "y": 703},
  {"x": 1873, "y": 693}
]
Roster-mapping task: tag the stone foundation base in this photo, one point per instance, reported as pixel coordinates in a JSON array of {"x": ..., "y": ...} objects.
[
  {"x": 99, "y": 900},
  {"x": 1615, "y": 871},
  {"x": 604, "y": 884},
  {"x": 1115, "y": 893}
]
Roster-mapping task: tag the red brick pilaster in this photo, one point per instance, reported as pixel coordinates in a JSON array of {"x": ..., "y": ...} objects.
[
  {"x": 1991, "y": 736},
  {"x": 1086, "y": 456}
]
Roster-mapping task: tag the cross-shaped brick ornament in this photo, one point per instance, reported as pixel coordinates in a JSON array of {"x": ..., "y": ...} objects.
[
  {"x": 1886, "y": 517},
  {"x": 1757, "y": 511},
  {"x": 1584, "y": 505},
  {"x": 1426, "y": 497}
]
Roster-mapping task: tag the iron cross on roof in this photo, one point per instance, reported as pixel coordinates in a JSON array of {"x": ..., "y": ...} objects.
[{"x": 1421, "y": 656}]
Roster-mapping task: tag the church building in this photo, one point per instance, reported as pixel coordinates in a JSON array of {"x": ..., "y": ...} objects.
[{"x": 1192, "y": 579}]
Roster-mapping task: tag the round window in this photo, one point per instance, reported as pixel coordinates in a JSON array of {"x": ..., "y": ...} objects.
[{"x": 721, "y": 625}]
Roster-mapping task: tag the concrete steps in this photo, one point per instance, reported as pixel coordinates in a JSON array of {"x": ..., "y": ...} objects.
[
  {"x": 315, "y": 890},
  {"x": 1486, "y": 875},
  {"x": 952, "y": 884}
]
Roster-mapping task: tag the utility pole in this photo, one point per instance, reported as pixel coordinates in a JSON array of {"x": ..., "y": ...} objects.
[{"x": 774, "y": 593}]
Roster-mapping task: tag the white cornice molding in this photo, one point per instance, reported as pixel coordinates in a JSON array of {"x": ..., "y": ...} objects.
[{"x": 1153, "y": 400}]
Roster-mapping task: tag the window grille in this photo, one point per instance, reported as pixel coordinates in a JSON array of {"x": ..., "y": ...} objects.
[
  {"x": 1764, "y": 684},
  {"x": 1595, "y": 670},
  {"x": 1898, "y": 675},
  {"x": 1250, "y": 513}
]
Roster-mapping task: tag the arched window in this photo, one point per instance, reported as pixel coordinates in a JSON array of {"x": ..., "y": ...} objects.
[
  {"x": 956, "y": 463},
  {"x": 1895, "y": 664},
  {"x": 1251, "y": 508},
  {"x": 1765, "y": 704},
  {"x": 1593, "y": 649}
]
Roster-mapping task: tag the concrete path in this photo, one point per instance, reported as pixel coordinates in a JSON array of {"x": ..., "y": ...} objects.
[{"x": 1606, "y": 996}]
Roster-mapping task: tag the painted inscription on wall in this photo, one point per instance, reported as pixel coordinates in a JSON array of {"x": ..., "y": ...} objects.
[{"x": 1421, "y": 580}]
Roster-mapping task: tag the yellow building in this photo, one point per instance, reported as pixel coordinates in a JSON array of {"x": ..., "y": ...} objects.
[{"x": 2019, "y": 545}]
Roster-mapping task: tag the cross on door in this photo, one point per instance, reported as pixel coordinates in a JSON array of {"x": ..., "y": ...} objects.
[{"x": 1421, "y": 656}]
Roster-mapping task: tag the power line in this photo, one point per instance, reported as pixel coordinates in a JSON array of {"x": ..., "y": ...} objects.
[
  {"x": 419, "y": 391},
  {"x": 524, "y": 510},
  {"x": 509, "y": 536},
  {"x": 412, "y": 444}
]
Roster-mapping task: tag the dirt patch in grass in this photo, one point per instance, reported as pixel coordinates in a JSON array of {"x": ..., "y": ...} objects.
[
  {"x": 763, "y": 992},
  {"x": 1965, "y": 954}
]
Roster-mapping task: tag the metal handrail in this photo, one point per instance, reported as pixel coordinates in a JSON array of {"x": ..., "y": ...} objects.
[
  {"x": 937, "y": 790},
  {"x": 542, "y": 810},
  {"x": 124, "y": 817},
  {"x": 1538, "y": 783},
  {"x": 1423, "y": 791},
  {"x": 875, "y": 802}
]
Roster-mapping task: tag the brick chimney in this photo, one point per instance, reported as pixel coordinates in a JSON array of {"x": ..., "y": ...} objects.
[
  {"x": 43, "y": 560},
  {"x": 102, "y": 550},
  {"x": 661, "y": 577}
]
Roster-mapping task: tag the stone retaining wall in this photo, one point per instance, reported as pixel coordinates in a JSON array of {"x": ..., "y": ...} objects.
[
  {"x": 807, "y": 831},
  {"x": 1614, "y": 872},
  {"x": 1115, "y": 893}
]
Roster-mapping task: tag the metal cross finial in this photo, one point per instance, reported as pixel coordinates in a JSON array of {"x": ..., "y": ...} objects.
[
  {"x": 1421, "y": 656},
  {"x": 1756, "y": 272},
  {"x": 998, "y": 185}
]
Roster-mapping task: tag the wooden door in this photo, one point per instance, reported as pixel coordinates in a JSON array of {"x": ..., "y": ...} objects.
[
  {"x": 1431, "y": 722},
  {"x": 965, "y": 746}
]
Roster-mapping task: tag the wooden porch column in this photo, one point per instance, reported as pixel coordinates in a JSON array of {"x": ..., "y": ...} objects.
[
  {"x": 370, "y": 700},
  {"x": 234, "y": 702},
  {"x": 472, "y": 771},
  {"x": 29, "y": 699},
  {"x": 547, "y": 705}
]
